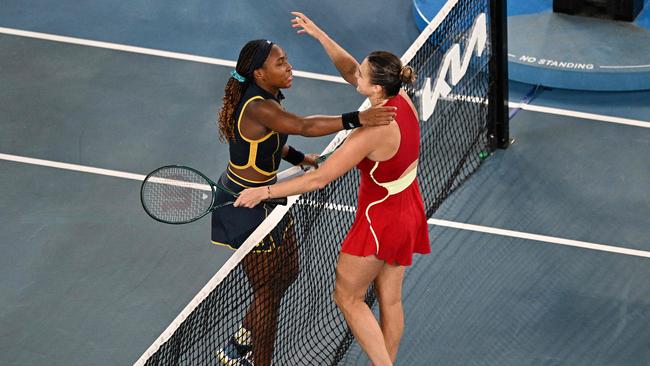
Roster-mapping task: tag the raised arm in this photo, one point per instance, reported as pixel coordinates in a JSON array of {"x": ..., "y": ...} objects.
[
  {"x": 272, "y": 116},
  {"x": 344, "y": 62}
]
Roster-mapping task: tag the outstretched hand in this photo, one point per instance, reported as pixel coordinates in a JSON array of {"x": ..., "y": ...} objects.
[{"x": 305, "y": 25}]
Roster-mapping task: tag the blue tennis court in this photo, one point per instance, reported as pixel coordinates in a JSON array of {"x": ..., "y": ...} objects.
[{"x": 541, "y": 258}]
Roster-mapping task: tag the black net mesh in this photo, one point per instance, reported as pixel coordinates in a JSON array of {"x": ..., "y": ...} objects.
[{"x": 283, "y": 297}]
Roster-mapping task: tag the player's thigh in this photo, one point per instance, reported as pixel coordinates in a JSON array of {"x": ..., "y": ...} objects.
[
  {"x": 354, "y": 274},
  {"x": 388, "y": 284}
]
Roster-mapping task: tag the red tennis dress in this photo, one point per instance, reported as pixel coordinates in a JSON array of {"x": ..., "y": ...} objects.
[{"x": 390, "y": 222}]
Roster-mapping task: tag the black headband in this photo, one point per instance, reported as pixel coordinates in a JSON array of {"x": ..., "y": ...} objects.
[{"x": 259, "y": 57}]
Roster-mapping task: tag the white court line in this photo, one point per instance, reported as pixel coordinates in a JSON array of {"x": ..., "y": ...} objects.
[
  {"x": 153, "y": 52},
  {"x": 303, "y": 74},
  {"x": 542, "y": 238},
  {"x": 457, "y": 225},
  {"x": 625, "y": 67},
  {"x": 576, "y": 114},
  {"x": 74, "y": 167}
]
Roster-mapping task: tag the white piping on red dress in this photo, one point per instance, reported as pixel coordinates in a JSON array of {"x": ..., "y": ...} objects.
[{"x": 392, "y": 188}]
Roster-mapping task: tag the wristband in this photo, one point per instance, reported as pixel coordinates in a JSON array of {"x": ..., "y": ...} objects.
[
  {"x": 294, "y": 156},
  {"x": 351, "y": 120}
]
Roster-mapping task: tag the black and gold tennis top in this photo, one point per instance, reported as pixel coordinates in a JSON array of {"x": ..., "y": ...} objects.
[{"x": 264, "y": 154}]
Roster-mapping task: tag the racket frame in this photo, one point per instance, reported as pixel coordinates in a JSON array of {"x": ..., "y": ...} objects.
[{"x": 213, "y": 188}]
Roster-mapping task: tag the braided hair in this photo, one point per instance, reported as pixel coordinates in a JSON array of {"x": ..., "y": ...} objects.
[{"x": 251, "y": 57}]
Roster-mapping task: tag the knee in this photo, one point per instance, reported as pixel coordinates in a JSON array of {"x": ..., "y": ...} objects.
[
  {"x": 345, "y": 300},
  {"x": 286, "y": 273},
  {"x": 389, "y": 302},
  {"x": 341, "y": 301},
  {"x": 338, "y": 298},
  {"x": 287, "y": 276},
  {"x": 388, "y": 299}
]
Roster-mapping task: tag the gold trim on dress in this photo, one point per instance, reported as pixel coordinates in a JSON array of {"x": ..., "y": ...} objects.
[{"x": 252, "y": 151}]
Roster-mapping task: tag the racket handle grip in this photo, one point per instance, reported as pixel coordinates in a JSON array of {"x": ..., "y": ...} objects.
[
  {"x": 277, "y": 201},
  {"x": 323, "y": 157}
]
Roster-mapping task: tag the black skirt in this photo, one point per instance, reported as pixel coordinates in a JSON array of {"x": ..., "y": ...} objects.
[{"x": 231, "y": 226}]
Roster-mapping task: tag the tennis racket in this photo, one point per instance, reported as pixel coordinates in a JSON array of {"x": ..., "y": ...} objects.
[{"x": 176, "y": 194}]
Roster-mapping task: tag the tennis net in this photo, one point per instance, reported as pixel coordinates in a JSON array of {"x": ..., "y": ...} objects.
[{"x": 295, "y": 321}]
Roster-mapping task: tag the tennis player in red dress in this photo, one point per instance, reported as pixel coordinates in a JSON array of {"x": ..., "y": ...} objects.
[{"x": 390, "y": 224}]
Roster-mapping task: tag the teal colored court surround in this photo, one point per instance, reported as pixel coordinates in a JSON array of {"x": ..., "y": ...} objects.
[
  {"x": 87, "y": 278},
  {"x": 569, "y": 52}
]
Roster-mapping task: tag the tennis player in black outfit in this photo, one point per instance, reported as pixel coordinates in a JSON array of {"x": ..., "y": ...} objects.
[{"x": 256, "y": 128}]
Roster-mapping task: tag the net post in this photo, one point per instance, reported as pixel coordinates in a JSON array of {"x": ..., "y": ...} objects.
[{"x": 498, "y": 129}]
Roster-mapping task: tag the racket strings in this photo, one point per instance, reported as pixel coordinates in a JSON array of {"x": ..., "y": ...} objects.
[{"x": 176, "y": 195}]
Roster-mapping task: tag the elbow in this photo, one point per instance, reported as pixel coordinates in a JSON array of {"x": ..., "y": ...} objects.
[
  {"x": 317, "y": 182},
  {"x": 351, "y": 74},
  {"x": 311, "y": 132}
]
